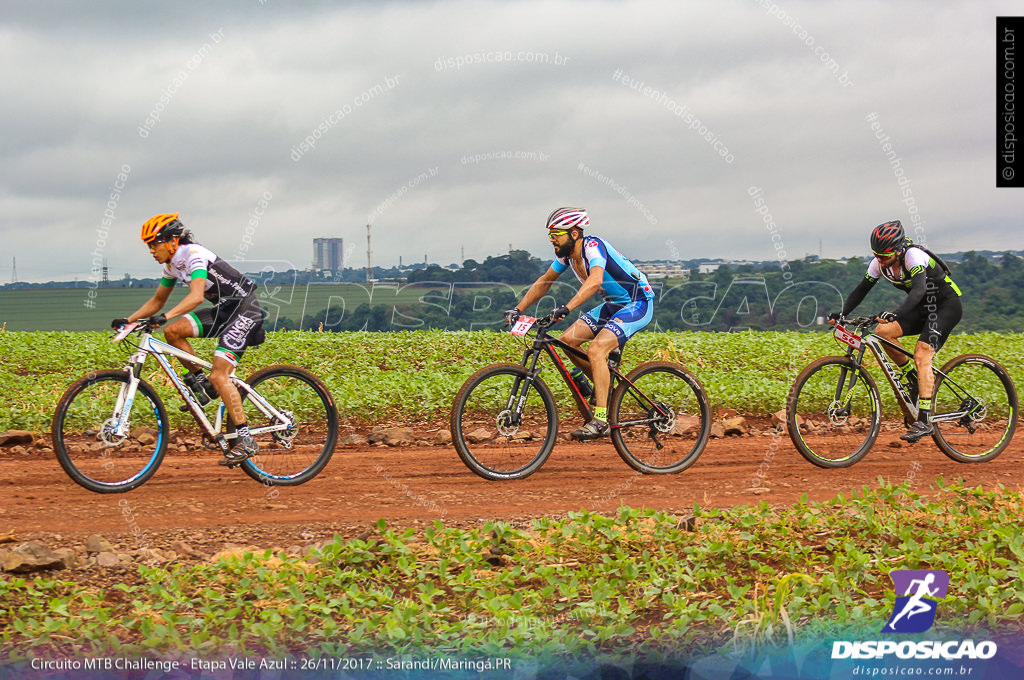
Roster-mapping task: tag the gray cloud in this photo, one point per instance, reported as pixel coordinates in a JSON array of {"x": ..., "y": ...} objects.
[{"x": 80, "y": 80}]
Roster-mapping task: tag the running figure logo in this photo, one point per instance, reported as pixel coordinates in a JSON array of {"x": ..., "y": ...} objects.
[{"x": 917, "y": 592}]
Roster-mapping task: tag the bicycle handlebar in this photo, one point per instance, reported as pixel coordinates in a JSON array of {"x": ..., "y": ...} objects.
[
  {"x": 140, "y": 326},
  {"x": 858, "y": 321},
  {"x": 542, "y": 322}
]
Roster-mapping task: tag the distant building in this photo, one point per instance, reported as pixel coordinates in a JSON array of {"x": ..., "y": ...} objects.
[
  {"x": 328, "y": 254},
  {"x": 664, "y": 270}
]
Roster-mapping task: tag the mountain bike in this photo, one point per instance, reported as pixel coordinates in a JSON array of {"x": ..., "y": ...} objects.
[
  {"x": 111, "y": 428},
  {"x": 504, "y": 422},
  {"x": 833, "y": 411}
]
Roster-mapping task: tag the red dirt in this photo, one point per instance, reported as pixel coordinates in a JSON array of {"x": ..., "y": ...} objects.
[{"x": 191, "y": 497}]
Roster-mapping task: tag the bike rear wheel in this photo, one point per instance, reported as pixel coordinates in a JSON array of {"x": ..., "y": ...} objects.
[
  {"x": 492, "y": 435},
  {"x": 832, "y": 424},
  {"x": 660, "y": 418},
  {"x": 975, "y": 409},
  {"x": 83, "y": 436},
  {"x": 298, "y": 454}
]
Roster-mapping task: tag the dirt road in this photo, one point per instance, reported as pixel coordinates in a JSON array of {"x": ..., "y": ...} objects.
[{"x": 192, "y": 497}]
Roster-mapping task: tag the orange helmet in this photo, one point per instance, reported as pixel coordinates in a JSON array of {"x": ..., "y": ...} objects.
[{"x": 160, "y": 228}]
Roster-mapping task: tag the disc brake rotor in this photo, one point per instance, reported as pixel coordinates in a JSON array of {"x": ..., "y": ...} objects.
[
  {"x": 664, "y": 420},
  {"x": 506, "y": 424},
  {"x": 108, "y": 433},
  {"x": 837, "y": 415}
]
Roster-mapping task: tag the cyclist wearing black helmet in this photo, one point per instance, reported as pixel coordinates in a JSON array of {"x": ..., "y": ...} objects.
[
  {"x": 932, "y": 309},
  {"x": 627, "y": 306},
  {"x": 236, "y": 318}
]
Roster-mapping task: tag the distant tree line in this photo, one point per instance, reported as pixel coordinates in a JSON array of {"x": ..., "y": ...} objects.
[{"x": 757, "y": 297}]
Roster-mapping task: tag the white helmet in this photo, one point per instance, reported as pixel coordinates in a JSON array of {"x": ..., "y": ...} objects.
[{"x": 568, "y": 218}]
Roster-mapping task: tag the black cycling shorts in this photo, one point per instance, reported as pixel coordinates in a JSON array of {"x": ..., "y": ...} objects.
[
  {"x": 934, "y": 318},
  {"x": 237, "y": 322}
]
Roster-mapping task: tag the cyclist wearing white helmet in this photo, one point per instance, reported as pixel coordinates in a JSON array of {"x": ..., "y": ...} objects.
[{"x": 626, "y": 309}]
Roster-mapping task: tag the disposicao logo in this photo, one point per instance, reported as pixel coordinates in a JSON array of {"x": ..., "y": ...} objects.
[
  {"x": 917, "y": 595},
  {"x": 917, "y": 592}
]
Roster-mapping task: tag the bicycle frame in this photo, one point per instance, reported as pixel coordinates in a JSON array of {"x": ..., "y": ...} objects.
[
  {"x": 545, "y": 343},
  {"x": 858, "y": 345},
  {"x": 150, "y": 346}
]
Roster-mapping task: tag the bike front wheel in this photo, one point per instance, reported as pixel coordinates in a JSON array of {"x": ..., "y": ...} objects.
[
  {"x": 84, "y": 437},
  {"x": 502, "y": 426},
  {"x": 297, "y": 454},
  {"x": 660, "y": 418},
  {"x": 975, "y": 409},
  {"x": 833, "y": 412}
]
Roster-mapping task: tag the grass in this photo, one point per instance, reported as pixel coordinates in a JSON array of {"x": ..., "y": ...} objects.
[
  {"x": 413, "y": 376},
  {"x": 635, "y": 584}
]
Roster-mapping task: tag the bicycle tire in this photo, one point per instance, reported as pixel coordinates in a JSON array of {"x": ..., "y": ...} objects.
[
  {"x": 993, "y": 417},
  {"x": 656, "y": 443},
  {"x": 78, "y": 424},
  {"x": 821, "y": 432},
  {"x": 302, "y": 453},
  {"x": 480, "y": 402}
]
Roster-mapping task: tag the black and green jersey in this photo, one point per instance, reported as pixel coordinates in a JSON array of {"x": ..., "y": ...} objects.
[{"x": 193, "y": 261}]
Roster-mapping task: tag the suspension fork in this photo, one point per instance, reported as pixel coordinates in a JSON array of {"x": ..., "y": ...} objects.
[
  {"x": 521, "y": 385},
  {"x": 854, "y": 373},
  {"x": 126, "y": 395}
]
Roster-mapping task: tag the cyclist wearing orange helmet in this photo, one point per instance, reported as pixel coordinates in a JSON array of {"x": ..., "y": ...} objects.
[
  {"x": 236, "y": 317},
  {"x": 932, "y": 308}
]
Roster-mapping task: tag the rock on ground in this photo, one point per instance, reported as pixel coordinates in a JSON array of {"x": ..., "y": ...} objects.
[{"x": 31, "y": 556}]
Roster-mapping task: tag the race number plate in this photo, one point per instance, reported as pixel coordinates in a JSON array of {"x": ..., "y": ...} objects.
[
  {"x": 848, "y": 337},
  {"x": 524, "y": 324},
  {"x": 124, "y": 331}
]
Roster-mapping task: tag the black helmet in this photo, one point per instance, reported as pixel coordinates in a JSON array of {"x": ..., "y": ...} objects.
[{"x": 888, "y": 238}]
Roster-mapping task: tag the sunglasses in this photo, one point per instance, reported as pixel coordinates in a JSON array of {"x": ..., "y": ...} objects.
[
  {"x": 885, "y": 255},
  {"x": 552, "y": 235}
]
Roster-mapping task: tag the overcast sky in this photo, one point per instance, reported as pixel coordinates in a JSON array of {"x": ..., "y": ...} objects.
[{"x": 661, "y": 118}]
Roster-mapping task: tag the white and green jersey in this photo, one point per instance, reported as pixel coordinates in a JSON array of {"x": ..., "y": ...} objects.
[{"x": 193, "y": 261}]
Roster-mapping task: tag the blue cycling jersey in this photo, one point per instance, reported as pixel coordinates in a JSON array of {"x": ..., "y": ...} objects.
[{"x": 622, "y": 282}]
